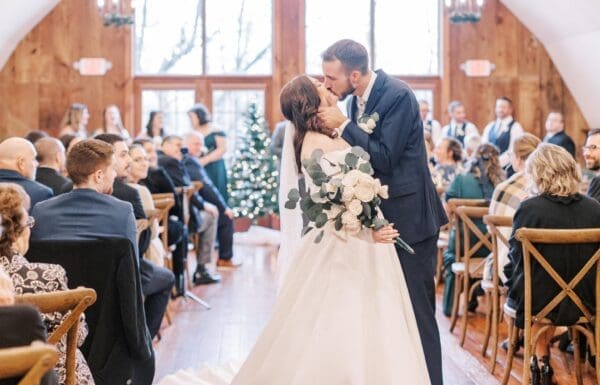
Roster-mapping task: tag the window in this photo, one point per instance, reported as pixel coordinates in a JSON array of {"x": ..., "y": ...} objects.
[
  {"x": 402, "y": 37},
  {"x": 229, "y": 107},
  {"x": 198, "y": 37},
  {"x": 173, "y": 103}
]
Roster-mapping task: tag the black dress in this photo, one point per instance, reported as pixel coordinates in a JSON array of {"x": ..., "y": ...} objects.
[{"x": 553, "y": 212}]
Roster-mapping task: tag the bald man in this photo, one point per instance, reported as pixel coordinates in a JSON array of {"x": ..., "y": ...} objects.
[
  {"x": 18, "y": 165},
  {"x": 51, "y": 156}
]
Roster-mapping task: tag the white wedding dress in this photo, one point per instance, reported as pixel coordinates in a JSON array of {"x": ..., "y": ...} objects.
[{"x": 343, "y": 317}]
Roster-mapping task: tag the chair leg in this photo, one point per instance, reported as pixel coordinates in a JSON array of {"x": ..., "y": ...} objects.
[
  {"x": 488, "y": 322},
  {"x": 513, "y": 335},
  {"x": 438, "y": 267},
  {"x": 457, "y": 290},
  {"x": 577, "y": 356},
  {"x": 495, "y": 330},
  {"x": 467, "y": 292}
]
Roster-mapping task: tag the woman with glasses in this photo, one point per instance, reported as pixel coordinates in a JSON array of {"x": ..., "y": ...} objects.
[{"x": 34, "y": 277}]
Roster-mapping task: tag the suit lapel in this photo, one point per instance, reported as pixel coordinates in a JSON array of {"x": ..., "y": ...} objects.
[{"x": 376, "y": 92}]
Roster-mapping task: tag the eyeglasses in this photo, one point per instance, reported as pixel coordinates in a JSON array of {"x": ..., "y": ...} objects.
[
  {"x": 30, "y": 222},
  {"x": 591, "y": 147}
]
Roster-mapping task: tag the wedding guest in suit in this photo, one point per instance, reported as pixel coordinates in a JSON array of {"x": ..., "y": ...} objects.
[
  {"x": 398, "y": 156},
  {"x": 459, "y": 127},
  {"x": 591, "y": 155},
  {"x": 204, "y": 216},
  {"x": 34, "y": 277},
  {"x": 194, "y": 142},
  {"x": 503, "y": 131},
  {"x": 157, "y": 282},
  {"x": 430, "y": 125},
  {"x": 18, "y": 165},
  {"x": 52, "y": 159},
  {"x": 216, "y": 144},
  {"x": 35, "y": 135},
  {"x": 75, "y": 120},
  {"x": 90, "y": 212},
  {"x": 555, "y": 132}
]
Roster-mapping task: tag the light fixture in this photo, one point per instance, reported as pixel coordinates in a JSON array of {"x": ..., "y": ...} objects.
[
  {"x": 464, "y": 11},
  {"x": 115, "y": 12}
]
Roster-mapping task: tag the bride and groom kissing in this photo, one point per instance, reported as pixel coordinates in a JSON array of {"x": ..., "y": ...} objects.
[{"x": 347, "y": 312}]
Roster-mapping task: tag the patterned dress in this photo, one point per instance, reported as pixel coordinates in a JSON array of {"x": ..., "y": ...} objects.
[{"x": 44, "y": 278}]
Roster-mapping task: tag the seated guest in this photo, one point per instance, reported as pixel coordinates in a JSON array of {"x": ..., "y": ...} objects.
[
  {"x": 18, "y": 165},
  {"x": 471, "y": 144},
  {"x": 193, "y": 140},
  {"x": 35, "y": 135},
  {"x": 591, "y": 155},
  {"x": 558, "y": 205},
  {"x": 477, "y": 182},
  {"x": 459, "y": 127},
  {"x": 555, "y": 132},
  {"x": 21, "y": 325},
  {"x": 69, "y": 140},
  {"x": 75, "y": 120},
  {"x": 52, "y": 159},
  {"x": 509, "y": 194},
  {"x": 157, "y": 282},
  {"x": 203, "y": 215},
  {"x": 34, "y": 277},
  {"x": 448, "y": 155}
]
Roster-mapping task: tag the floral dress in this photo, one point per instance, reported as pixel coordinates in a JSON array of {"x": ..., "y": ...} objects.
[{"x": 30, "y": 277}]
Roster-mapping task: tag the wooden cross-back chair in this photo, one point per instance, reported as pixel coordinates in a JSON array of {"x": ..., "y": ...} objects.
[
  {"x": 587, "y": 324},
  {"x": 468, "y": 267},
  {"x": 492, "y": 287},
  {"x": 74, "y": 301},
  {"x": 32, "y": 362},
  {"x": 163, "y": 203}
]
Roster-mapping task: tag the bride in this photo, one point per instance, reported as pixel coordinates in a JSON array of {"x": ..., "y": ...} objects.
[{"x": 343, "y": 315}]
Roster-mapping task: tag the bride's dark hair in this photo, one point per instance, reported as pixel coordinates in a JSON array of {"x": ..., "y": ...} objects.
[{"x": 300, "y": 102}]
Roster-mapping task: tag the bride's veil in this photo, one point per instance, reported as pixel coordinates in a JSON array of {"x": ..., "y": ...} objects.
[{"x": 291, "y": 220}]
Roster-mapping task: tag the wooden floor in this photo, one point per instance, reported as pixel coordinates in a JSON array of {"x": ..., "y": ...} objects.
[{"x": 241, "y": 305}]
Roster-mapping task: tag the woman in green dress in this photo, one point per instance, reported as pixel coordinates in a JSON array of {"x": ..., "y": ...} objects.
[{"x": 216, "y": 143}]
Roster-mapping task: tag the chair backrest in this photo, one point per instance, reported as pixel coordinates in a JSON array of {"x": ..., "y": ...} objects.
[
  {"x": 531, "y": 239},
  {"x": 31, "y": 362},
  {"x": 454, "y": 221},
  {"x": 118, "y": 335},
  {"x": 494, "y": 222},
  {"x": 73, "y": 301},
  {"x": 164, "y": 203}
]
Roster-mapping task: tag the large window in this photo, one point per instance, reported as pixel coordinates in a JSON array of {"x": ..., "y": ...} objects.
[
  {"x": 402, "y": 36},
  {"x": 196, "y": 37},
  {"x": 229, "y": 108},
  {"x": 173, "y": 103}
]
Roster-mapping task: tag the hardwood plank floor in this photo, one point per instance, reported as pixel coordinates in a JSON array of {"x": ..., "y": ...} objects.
[{"x": 241, "y": 305}]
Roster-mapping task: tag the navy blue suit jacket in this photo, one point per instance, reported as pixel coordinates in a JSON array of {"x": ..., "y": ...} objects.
[
  {"x": 37, "y": 192},
  {"x": 209, "y": 192},
  {"x": 398, "y": 155},
  {"x": 563, "y": 140},
  {"x": 84, "y": 214}
]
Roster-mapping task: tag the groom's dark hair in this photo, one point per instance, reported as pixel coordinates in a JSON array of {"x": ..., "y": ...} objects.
[{"x": 352, "y": 55}]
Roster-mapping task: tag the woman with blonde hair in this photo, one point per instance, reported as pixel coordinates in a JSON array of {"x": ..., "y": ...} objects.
[
  {"x": 557, "y": 204},
  {"x": 112, "y": 123},
  {"x": 509, "y": 194},
  {"x": 75, "y": 120}
]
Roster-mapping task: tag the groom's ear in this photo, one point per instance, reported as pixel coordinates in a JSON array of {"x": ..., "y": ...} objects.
[{"x": 354, "y": 77}]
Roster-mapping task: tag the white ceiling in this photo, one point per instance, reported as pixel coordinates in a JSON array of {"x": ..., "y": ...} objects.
[
  {"x": 570, "y": 31},
  {"x": 17, "y": 18}
]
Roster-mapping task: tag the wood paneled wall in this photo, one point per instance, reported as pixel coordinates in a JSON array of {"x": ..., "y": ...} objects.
[
  {"x": 524, "y": 72},
  {"x": 38, "y": 83}
]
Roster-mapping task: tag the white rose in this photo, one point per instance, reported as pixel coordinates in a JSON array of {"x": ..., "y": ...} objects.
[
  {"x": 371, "y": 124},
  {"x": 348, "y": 194},
  {"x": 364, "y": 192},
  {"x": 351, "y": 178},
  {"x": 365, "y": 128},
  {"x": 383, "y": 192},
  {"x": 355, "y": 207},
  {"x": 334, "y": 211},
  {"x": 351, "y": 223},
  {"x": 366, "y": 179},
  {"x": 348, "y": 218},
  {"x": 330, "y": 188}
]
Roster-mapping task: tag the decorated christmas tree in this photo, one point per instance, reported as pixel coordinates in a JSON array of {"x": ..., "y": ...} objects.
[{"x": 253, "y": 177}]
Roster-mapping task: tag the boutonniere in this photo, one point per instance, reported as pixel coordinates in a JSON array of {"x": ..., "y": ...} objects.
[
  {"x": 460, "y": 131},
  {"x": 368, "y": 122}
]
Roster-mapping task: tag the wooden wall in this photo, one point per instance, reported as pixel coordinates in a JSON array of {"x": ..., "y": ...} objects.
[
  {"x": 524, "y": 72},
  {"x": 38, "y": 82}
]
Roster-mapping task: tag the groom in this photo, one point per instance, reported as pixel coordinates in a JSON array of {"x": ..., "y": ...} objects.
[{"x": 398, "y": 155}]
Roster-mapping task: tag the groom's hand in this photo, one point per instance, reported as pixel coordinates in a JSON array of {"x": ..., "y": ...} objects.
[{"x": 331, "y": 118}]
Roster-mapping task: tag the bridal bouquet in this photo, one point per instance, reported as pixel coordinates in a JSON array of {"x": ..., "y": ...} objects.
[{"x": 349, "y": 197}]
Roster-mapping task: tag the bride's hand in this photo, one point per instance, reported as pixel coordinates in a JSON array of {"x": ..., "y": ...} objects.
[{"x": 386, "y": 234}]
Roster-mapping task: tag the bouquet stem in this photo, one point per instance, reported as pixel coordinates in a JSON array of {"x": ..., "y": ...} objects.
[{"x": 400, "y": 242}]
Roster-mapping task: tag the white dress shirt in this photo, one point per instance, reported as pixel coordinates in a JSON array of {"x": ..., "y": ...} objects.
[
  {"x": 449, "y": 129},
  {"x": 516, "y": 131},
  {"x": 361, "y": 102}
]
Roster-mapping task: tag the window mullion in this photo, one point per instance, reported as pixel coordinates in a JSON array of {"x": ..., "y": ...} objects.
[
  {"x": 204, "y": 48},
  {"x": 372, "y": 34}
]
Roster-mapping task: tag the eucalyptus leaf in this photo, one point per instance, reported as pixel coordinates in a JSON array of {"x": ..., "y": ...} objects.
[
  {"x": 321, "y": 220},
  {"x": 367, "y": 210},
  {"x": 378, "y": 223},
  {"x": 351, "y": 160},
  {"x": 375, "y": 116},
  {"x": 319, "y": 237},
  {"x": 306, "y": 230},
  {"x": 317, "y": 154},
  {"x": 290, "y": 205},
  {"x": 294, "y": 195},
  {"x": 338, "y": 223},
  {"x": 366, "y": 168}
]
